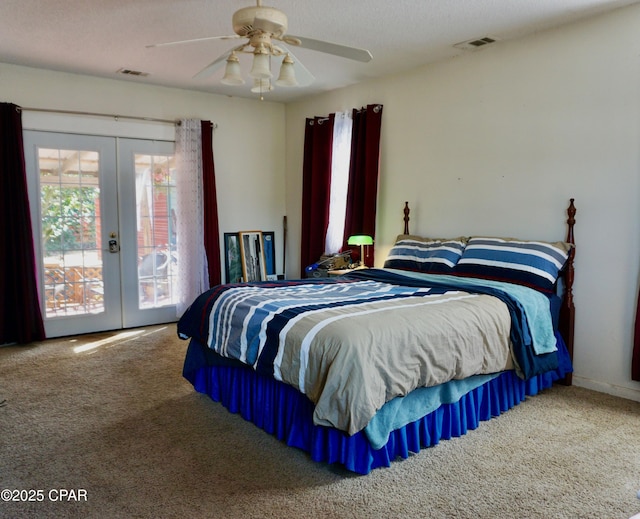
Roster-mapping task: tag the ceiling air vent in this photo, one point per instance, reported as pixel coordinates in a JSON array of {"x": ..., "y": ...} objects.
[
  {"x": 129, "y": 72},
  {"x": 476, "y": 43}
]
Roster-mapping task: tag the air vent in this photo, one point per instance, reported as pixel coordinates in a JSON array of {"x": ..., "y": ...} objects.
[
  {"x": 129, "y": 72},
  {"x": 475, "y": 43}
]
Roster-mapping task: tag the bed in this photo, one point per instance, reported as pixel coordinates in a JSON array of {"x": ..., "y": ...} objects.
[{"x": 375, "y": 365}]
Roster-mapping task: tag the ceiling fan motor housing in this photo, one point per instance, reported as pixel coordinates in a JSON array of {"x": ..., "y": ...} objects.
[{"x": 270, "y": 19}]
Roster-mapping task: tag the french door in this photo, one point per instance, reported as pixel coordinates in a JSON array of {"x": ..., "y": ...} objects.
[{"x": 104, "y": 230}]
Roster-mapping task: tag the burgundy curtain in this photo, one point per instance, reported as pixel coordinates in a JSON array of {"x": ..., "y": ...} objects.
[
  {"x": 211, "y": 228},
  {"x": 316, "y": 182},
  {"x": 362, "y": 194},
  {"x": 20, "y": 317},
  {"x": 635, "y": 362}
]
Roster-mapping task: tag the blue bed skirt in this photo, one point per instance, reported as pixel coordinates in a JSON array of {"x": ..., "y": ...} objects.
[{"x": 282, "y": 411}]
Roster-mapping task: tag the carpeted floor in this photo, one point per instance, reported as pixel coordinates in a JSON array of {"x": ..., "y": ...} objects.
[{"x": 105, "y": 426}]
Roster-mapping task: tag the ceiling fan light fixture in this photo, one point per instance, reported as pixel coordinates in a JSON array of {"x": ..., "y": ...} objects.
[
  {"x": 261, "y": 86},
  {"x": 232, "y": 71},
  {"x": 261, "y": 68},
  {"x": 287, "y": 77}
]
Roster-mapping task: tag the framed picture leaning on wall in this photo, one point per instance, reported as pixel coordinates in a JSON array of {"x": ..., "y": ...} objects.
[
  {"x": 269, "y": 249},
  {"x": 252, "y": 255},
  {"x": 232, "y": 258}
]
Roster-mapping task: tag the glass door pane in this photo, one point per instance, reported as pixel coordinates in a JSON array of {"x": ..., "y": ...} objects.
[
  {"x": 156, "y": 230},
  {"x": 70, "y": 232}
]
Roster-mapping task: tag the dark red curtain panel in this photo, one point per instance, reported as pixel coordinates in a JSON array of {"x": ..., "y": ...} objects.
[
  {"x": 20, "y": 317},
  {"x": 211, "y": 227},
  {"x": 635, "y": 362},
  {"x": 316, "y": 182},
  {"x": 362, "y": 194}
]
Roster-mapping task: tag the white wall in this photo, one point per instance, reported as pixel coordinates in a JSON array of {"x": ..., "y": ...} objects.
[
  {"x": 248, "y": 143},
  {"x": 496, "y": 142}
]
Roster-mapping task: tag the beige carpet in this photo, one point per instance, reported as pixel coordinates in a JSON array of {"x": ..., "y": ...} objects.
[{"x": 109, "y": 416}]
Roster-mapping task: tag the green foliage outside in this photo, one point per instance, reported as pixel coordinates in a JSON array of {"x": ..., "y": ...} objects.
[{"x": 68, "y": 215}]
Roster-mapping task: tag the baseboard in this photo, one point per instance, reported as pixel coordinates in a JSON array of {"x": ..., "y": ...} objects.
[{"x": 629, "y": 393}]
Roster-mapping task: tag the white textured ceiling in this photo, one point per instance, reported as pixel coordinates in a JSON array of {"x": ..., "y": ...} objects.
[{"x": 99, "y": 37}]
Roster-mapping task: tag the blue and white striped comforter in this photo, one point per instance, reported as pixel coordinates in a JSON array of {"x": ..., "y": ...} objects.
[{"x": 353, "y": 343}]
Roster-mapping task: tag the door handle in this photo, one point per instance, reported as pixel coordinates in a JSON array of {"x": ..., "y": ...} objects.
[
  {"x": 113, "y": 246},
  {"x": 113, "y": 243}
]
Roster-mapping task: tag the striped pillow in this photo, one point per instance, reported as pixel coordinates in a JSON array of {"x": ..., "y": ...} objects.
[
  {"x": 535, "y": 264},
  {"x": 425, "y": 254}
]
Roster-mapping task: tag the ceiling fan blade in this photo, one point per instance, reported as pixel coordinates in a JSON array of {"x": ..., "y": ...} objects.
[
  {"x": 335, "y": 49},
  {"x": 206, "y": 38}
]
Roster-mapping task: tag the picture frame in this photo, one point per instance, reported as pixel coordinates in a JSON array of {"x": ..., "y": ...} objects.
[
  {"x": 269, "y": 247},
  {"x": 232, "y": 258},
  {"x": 252, "y": 256}
]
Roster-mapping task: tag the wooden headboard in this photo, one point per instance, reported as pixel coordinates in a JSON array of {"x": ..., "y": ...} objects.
[{"x": 566, "y": 322}]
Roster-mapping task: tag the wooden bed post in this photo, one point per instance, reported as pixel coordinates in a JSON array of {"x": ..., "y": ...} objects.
[
  {"x": 406, "y": 218},
  {"x": 568, "y": 310}
]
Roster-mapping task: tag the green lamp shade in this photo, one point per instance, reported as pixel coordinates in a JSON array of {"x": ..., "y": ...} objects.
[{"x": 360, "y": 239}]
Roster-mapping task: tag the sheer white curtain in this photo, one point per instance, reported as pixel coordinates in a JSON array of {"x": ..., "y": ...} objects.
[
  {"x": 193, "y": 277},
  {"x": 341, "y": 156}
]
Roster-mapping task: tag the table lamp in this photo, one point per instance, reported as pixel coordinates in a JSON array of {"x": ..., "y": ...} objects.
[{"x": 362, "y": 240}]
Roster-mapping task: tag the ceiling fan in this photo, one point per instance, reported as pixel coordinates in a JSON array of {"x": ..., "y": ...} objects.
[{"x": 262, "y": 26}]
